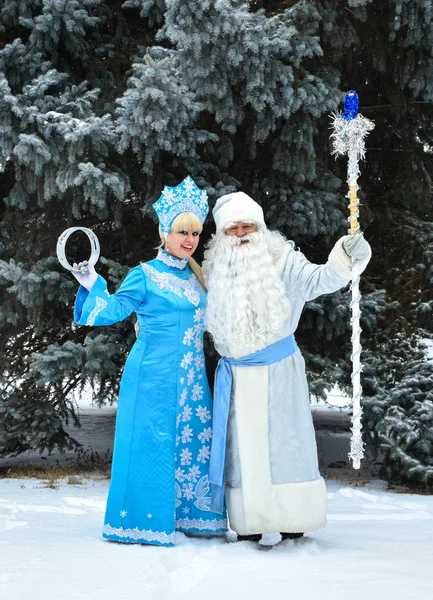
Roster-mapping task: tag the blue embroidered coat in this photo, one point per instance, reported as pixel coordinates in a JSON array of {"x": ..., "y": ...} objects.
[{"x": 159, "y": 482}]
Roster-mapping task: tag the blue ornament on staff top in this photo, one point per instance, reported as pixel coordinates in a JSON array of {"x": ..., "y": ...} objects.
[
  {"x": 350, "y": 105},
  {"x": 185, "y": 197}
]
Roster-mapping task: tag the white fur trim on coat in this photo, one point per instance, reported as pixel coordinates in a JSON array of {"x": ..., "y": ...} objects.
[
  {"x": 341, "y": 262},
  {"x": 262, "y": 506},
  {"x": 235, "y": 207},
  {"x": 293, "y": 508}
]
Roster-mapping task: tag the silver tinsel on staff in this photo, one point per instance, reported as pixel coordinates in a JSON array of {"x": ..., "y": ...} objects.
[{"x": 348, "y": 137}]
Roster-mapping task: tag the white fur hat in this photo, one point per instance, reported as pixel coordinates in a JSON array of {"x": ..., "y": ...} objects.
[{"x": 235, "y": 207}]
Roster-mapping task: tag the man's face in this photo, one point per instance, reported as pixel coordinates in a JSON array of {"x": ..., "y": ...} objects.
[{"x": 240, "y": 229}]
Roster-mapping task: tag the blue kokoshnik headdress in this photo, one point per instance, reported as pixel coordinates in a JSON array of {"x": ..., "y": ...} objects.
[{"x": 185, "y": 197}]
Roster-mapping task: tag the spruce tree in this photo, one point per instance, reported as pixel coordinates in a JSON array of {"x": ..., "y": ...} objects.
[
  {"x": 153, "y": 10},
  {"x": 58, "y": 165},
  {"x": 102, "y": 104}
]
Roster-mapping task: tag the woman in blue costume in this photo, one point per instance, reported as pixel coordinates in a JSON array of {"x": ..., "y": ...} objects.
[{"x": 159, "y": 482}]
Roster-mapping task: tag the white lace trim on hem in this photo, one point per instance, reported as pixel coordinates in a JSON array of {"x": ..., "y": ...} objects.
[
  {"x": 140, "y": 534},
  {"x": 201, "y": 524}
]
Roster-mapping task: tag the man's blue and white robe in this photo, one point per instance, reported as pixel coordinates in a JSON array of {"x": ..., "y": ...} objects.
[{"x": 271, "y": 468}]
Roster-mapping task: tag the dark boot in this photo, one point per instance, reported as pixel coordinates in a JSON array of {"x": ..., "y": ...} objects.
[
  {"x": 252, "y": 537},
  {"x": 290, "y": 536}
]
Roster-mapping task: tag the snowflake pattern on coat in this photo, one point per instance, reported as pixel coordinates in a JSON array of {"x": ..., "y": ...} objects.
[
  {"x": 158, "y": 485},
  {"x": 193, "y": 439}
]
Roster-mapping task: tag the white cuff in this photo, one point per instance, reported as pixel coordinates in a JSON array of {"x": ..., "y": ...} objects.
[{"x": 341, "y": 262}]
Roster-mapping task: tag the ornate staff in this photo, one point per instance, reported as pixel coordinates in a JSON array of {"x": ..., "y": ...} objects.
[{"x": 348, "y": 137}]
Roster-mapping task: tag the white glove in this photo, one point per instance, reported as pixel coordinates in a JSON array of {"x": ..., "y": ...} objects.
[
  {"x": 357, "y": 247},
  {"x": 88, "y": 279}
]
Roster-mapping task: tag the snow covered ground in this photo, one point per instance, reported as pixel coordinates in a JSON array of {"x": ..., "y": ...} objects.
[{"x": 377, "y": 546}]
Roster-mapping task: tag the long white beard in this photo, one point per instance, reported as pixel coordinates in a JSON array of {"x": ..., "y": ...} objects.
[{"x": 246, "y": 304}]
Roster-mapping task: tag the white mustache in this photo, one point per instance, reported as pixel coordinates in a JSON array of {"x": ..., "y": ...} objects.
[{"x": 234, "y": 240}]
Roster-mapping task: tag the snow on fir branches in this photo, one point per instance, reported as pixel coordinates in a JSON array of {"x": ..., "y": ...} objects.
[{"x": 91, "y": 132}]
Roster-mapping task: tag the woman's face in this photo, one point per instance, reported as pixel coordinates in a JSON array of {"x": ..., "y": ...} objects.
[{"x": 182, "y": 244}]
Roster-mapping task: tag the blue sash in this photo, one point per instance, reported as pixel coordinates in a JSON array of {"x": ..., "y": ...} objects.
[{"x": 221, "y": 404}]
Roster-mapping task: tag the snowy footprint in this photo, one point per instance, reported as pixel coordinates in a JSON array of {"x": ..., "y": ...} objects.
[
  {"x": 8, "y": 523},
  {"x": 181, "y": 571}
]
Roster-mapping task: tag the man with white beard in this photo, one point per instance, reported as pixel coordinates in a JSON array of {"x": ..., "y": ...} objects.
[{"x": 263, "y": 437}]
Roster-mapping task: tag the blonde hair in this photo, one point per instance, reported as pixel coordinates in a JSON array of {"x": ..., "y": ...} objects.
[{"x": 184, "y": 222}]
